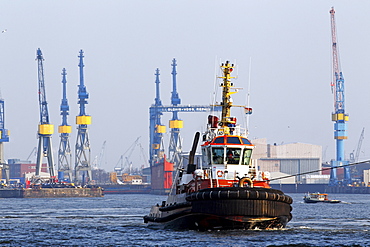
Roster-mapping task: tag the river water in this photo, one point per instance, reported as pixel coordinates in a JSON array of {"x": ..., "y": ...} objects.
[{"x": 116, "y": 220}]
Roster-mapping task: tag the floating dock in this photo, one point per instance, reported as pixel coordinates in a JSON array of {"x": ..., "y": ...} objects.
[{"x": 51, "y": 192}]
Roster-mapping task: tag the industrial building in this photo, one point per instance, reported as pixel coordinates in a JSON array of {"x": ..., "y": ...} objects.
[
  {"x": 289, "y": 159},
  {"x": 19, "y": 169}
]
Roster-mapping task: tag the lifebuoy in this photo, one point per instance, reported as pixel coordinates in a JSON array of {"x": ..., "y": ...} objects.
[
  {"x": 220, "y": 132},
  {"x": 245, "y": 179},
  {"x": 220, "y": 173}
]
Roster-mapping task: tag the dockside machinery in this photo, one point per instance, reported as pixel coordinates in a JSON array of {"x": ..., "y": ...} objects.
[
  {"x": 45, "y": 129},
  {"x": 339, "y": 116},
  {"x": 64, "y": 152},
  {"x": 83, "y": 153}
]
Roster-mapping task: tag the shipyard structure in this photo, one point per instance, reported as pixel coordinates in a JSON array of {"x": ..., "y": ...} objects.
[{"x": 23, "y": 179}]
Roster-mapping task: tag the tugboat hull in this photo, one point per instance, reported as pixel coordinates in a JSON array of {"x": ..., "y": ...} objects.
[{"x": 226, "y": 208}]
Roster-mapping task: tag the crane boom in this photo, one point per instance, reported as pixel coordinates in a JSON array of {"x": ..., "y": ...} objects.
[
  {"x": 45, "y": 129},
  {"x": 359, "y": 144},
  {"x": 334, "y": 43},
  {"x": 44, "y": 113}
]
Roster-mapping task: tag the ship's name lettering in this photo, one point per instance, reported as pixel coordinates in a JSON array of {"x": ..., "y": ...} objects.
[{"x": 187, "y": 109}]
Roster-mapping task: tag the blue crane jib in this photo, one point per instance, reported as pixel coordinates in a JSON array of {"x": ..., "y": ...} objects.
[
  {"x": 175, "y": 99},
  {"x": 82, "y": 119},
  {"x": 45, "y": 129},
  {"x": 83, "y": 95},
  {"x": 44, "y": 113},
  {"x": 64, "y": 107}
]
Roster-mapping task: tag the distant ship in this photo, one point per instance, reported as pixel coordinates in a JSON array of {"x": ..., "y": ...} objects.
[
  {"x": 227, "y": 191},
  {"x": 130, "y": 184},
  {"x": 318, "y": 197}
]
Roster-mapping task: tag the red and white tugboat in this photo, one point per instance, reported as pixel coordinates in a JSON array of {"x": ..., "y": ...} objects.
[{"x": 226, "y": 191}]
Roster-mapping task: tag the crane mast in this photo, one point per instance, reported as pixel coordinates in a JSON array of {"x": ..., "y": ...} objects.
[
  {"x": 175, "y": 147},
  {"x": 83, "y": 152},
  {"x": 45, "y": 129},
  {"x": 157, "y": 130},
  {"x": 64, "y": 152},
  {"x": 339, "y": 116}
]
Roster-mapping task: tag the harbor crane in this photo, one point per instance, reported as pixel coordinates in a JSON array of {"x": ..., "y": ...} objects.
[
  {"x": 33, "y": 153},
  {"x": 176, "y": 124},
  {"x": 339, "y": 116},
  {"x": 64, "y": 152},
  {"x": 124, "y": 161},
  {"x": 157, "y": 130},
  {"x": 4, "y": 137},
  {"x": 45, "y": 129},
  {"x": 354, "y": 156},
  {"x": 98, "y": 160},
  {"x": 156, "y": 148},
  {"x": 82, "y": 151}
]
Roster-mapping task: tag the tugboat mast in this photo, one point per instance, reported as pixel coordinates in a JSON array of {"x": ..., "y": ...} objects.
[{"x": 227, "y": 122}]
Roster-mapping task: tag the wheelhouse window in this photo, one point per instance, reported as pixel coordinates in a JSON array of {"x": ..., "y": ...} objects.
[
  {"x": 219, "y": 140},
  {"x": 218, "y": 155},
  {"x": 233, "y": 155},
  {"x": 246, "y": 141},
  {"x": 233, "y": 140},
  {"x": 247, "y": 156},
  {"x": 206, "y": 156}
]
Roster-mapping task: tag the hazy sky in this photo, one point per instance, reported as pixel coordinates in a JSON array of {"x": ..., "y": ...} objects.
[{"x": 288, "y": 42}]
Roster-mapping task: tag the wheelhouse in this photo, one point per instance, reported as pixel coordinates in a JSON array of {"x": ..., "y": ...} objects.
[
  {"x": 227, "y": 150},
  {"x": 228, "y": 157}
]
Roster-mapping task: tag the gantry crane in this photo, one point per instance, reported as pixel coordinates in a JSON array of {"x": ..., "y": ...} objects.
[
  {"x": 156, "y": 129},
  {"x": 83, "y": 152},
  {"x": 64, "y": 152},
  {"x": 4, "y": 137},
  {"x": 45, "y": 129},
  {"x": 339, "y": 116}
]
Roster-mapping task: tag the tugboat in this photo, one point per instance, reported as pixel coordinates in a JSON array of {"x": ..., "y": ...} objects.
[
  {"x": 226, "y": 191},
  {"x": 318, "y": 197}
]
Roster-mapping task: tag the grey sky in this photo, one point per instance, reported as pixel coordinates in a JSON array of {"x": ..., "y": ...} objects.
[{"x": 125, "y": 41}]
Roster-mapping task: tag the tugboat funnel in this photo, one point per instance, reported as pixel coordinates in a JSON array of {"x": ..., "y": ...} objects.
[{"x": 191, "y": 165}]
